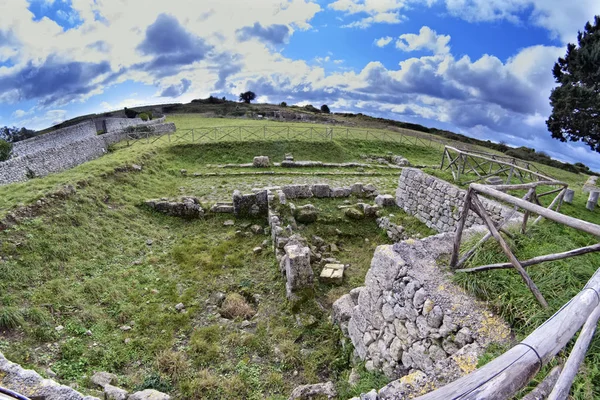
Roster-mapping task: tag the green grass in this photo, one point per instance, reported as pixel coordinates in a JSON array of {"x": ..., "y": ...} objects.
[
  {"x": 84, "y": 263},
  {"x": 558, "y": 281}
]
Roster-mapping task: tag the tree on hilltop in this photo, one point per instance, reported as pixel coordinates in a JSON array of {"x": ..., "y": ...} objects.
[
  {"x": 325, "y": 109},
  {"x": 247, "y": 97},
  {"x": 576, "y": 100}
]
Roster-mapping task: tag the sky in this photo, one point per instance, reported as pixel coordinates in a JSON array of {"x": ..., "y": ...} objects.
[{"x": 478, "y": 67}]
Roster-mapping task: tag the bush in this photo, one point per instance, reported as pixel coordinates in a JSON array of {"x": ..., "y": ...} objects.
[
  {"x": 130, "y": 113},
  {"x": 283, "y": 104},
  {"x": 325, "y": 109},
  {"x": 143, "y": 116},
  {"x": 5, "y": 150}
]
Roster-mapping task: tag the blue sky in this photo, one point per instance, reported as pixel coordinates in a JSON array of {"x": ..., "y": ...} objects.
[{"x": 478, "y": 67}]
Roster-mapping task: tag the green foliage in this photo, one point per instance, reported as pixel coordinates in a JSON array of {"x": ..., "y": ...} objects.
[
  {"x": 129, "y": 113},
  {"x": 325, "y": 109},
  {"x": 311, "y": 108},
  {"x": 5, "y": 150},
  {"x": 143, "y": 116},
  {"x": 247, "y": 97},
  {"x": 283, "y": 104},
  {"x": 576, "y": 100},
  {"x": 14, "y": 134}
]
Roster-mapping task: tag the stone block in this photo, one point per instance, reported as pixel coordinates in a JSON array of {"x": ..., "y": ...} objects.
[
  {"x": 261, "y": 162},
  {"x": 332, "y": 273},
  {"x": 385, "y": 200},
  {"x": 297, "y": 191},
  {"x": 321, "y": 190},
  {"x": 340, "y": 192},
  {"x": 298, "y": 271}
]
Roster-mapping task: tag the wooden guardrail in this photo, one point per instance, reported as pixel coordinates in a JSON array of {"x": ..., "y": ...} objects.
[{"x": 484, "y": 165}]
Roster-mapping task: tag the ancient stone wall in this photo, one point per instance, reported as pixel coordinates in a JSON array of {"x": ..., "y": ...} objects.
[
  {"x": 439, "y": 204},
  {"x": 410, "y": 317},
  {"x": 57, "y": 138},
  {"x": 116, "y": 124},
  {"x": 49, "y": 158}
]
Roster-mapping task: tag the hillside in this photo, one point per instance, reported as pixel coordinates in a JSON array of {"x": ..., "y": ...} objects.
[{"x": 214, "y": 107}]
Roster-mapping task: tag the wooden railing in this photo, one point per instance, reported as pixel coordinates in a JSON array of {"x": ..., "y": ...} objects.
[
  {"x": 504, "y": 376},
  {"x": 481, "y": 166}
]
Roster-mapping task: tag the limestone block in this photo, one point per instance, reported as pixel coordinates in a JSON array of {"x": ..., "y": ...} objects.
[
  {"x": 385, "y": 200},
  {"x": 299, "y": 273},
  {"x": 332, "y": 273},
  {"x": 297, "y": 191},
  {"x": 340, "y": 192},
  {"x": 261, "y": 162},
  {"x": 321, "y": 190}
]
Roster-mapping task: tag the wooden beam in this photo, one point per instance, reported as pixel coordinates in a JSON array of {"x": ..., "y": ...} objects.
[
  {"x": 460, "y": 228},
  {"x": 565, "y": 380},
  {"x": 542, "y": 390},
  {"x": 522, "y": 186},
  {"x": 488, "y": 235},
  {"x": 506, "y": 163},
  {"x": 480, "y": 209},
  {"x": 537, "y": 260},
  {"x": 504, "y": 376},
  {"x": 549, "y": 214},
  {"x": 556, "y": 200},
  {"x": 550, "y": 192}
]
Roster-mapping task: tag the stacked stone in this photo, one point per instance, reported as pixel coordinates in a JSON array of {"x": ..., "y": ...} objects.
[
  {"x": 439, "y": 204},
  {"x": 410, "y": 317},
  {"x": 253, "y": 204},
  {"x": 393, "y": 231},
  {"x": 291, "y": 249},
  {"x": 186, "y": 207}
]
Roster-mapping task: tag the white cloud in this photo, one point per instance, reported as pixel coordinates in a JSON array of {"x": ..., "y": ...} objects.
[
  {"x": 378, "y": 11},
  {"x": 427, "y": 39},
  {"x": 561, "y": 18},
  {"x": 384, "y": 41}
]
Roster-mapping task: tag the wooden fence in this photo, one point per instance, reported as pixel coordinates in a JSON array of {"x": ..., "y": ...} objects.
[
  {"x": 284, "y": 132},
  {"x": 503, "y": 377},
  {"x": 481, "y": 166}
]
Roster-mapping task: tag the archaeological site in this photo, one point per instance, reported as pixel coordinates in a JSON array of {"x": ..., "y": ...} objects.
[{"x": 184, "y": 258}]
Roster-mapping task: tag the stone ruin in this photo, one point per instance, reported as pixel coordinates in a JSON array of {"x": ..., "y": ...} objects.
[{"x": 410, "y": 321}]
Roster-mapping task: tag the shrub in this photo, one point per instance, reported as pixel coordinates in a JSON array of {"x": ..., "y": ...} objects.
[
  {"x": 283, "y": 104},
  {"x": 236, "y": 306},
  {"x": 130, "y": 113},
  {"x": 5, "y": 150},
  {"x": 143, "y": 116},
  {"x": 325, "y": 109}
]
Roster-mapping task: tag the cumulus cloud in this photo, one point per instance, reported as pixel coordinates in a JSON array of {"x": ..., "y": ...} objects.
[
  {"x": 171, "y": 46},
  {"x": 54, "y": 79},
  {"x": 562, "y": 19},
  {"x": 384, "y": 41},
  {"x": 427, "y": 39},
  {"x": 385, "y": 11},
  {"x": 177, "y": 90},
  {"x": 276, "y": 34}
]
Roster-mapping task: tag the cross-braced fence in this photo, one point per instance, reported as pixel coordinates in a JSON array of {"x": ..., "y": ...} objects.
[
  {"x": 503, "y": 377},
  {"x": 282, "y": 132},
  {"x": 473, "y": 166}
]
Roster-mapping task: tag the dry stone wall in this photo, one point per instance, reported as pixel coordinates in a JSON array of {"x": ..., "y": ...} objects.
[
  {"x": 409, "y": 317},
  {"x": 439, "y": 204},
  {"x": 117, "y": 124},
  {"x": 54, "y": 139},
  {"x": 63, "y": 149}
]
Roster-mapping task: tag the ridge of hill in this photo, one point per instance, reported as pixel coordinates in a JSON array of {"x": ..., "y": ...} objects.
[{"x": 222, "y": 108}]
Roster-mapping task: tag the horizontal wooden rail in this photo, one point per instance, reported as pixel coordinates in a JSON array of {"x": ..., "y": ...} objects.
[
  {"x": 504, "y": 376},
  {"x": 528, "y": 171},
  {"x": 539, "y": 210}
]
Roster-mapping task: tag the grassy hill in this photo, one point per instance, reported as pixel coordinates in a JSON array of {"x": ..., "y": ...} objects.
[{"x": 97, "y": 260}]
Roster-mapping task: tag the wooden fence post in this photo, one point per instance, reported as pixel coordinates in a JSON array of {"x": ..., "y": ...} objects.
[{"x": 481, "y": 211}]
